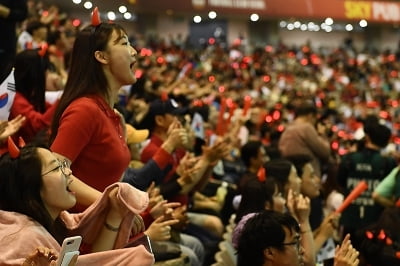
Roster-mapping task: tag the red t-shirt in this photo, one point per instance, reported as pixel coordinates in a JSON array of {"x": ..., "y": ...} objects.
[
  {"x": 91, "y": 136},
  {"x": 35, "y": 121}
]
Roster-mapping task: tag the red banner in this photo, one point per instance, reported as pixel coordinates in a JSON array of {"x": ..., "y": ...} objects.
[{"x": 372, "y": 11}]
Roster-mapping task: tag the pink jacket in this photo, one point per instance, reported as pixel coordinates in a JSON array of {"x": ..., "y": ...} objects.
[{"x": 20, "y": 235}]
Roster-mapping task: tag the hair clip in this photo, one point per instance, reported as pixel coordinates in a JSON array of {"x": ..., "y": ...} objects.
[
  {"x": 261, "y": 174},
  {"x": 96, "y": 17},
  {"x": 43, "y": 49}
]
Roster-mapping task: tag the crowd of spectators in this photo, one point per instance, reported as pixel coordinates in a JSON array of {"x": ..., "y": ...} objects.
[{"x": 291, "y": 129}]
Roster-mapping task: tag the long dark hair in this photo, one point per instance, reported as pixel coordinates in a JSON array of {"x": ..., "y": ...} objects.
[
  {"x": 20, "y": 185},
  {"x": 280, "y": 169},
  {"x": 86, "y": 76},
  {"x": 30, "y": 77},
  {"x": 255, "y": 195}
]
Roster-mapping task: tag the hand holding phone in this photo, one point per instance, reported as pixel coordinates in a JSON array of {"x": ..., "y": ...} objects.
[{"x": 69, "y": 248}]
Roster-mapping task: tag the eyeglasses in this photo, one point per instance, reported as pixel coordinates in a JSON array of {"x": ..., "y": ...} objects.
[
  {"x": 295, "y": 243},
  {"x": 64, "y": 167}
]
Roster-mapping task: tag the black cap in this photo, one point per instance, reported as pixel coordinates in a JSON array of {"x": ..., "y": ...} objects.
[
  {"x": 169, "y": 106},
  {"x": 160, "y": 107}
]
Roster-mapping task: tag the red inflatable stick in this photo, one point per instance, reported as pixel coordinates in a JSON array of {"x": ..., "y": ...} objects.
[{"x": 360, "y": 188}]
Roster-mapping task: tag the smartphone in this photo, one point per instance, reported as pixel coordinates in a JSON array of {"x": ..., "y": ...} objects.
[
  {"x": 141, "y": 240},
  {"x": 69, "y": 248}
]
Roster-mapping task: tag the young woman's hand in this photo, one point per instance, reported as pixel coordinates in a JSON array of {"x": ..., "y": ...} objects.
[
  {"x": 9, "y": 128},
  {"x": 160, "y": 229},
  {"x": 43, "y": 256},
  {"x": 163, "y": 208},
  {"x": 346, "y": 255}
]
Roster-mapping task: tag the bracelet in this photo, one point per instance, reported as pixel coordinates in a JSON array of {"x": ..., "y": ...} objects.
[
  {"x": 306, "y": 231},
  {"x": 110, "y": 227}
]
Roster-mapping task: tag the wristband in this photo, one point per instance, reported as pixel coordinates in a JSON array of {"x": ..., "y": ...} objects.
[{"x": 110, "y": 227}]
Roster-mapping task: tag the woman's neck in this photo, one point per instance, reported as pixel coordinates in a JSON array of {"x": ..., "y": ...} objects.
[{"x": 111, "y": 97}]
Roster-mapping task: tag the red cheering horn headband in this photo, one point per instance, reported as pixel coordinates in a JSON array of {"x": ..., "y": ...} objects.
[
  {"x": 96, "y": 17},
  {"x": 13, "y": 149}
]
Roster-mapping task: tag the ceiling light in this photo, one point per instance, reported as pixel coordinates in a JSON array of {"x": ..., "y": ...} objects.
[
  {"x": 254, "y": 17},
  {"x": 122, "y": 9},
  {"x": 212, "y": 14},
  {"x": 363, "y": 23},
  {"x": 196, "y": 19},
  {"x": 111, "y": 15},
  {"x": 127, "y": 15},
  {"x": 329, "y": 21},
  {"x": 88, "y": 5},
  {"x": 349, "y": 27}
]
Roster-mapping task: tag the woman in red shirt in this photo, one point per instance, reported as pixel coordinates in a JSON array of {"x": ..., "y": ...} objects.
[
  {"x": 86, "y": 130},
  {"x": 31, "y": 67}
]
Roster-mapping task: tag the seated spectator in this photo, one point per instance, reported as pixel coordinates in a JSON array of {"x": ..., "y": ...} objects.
[
  {"x": 257, "y": 197},
  {"x": 273, "y": 238},
  {"x": 253, "y": 156},
  {"x": 34, "y": 36},
  {"x": 379, "y": 243},
  {"x": 31, "y": 69},
  {"x": 325, "y": 228},
  {"x": 34, "y": 197},
  {"x": 285, "y": 175}
]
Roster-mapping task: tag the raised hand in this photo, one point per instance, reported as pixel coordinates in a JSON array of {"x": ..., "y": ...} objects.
[
  {"x": 9, "y": 128},
  {"x": 176, "y": 136},
  {"x": 299, "y": 206},
  {"x": 187, "y": 162},
  {"x": 181, "y": 215},
  {"x": 329, "y": 224},
  {"x": 163, "y": 208},
  {"x": 152, "y": 190},
  {"x": 346, "y": 255},
  {"x": 160, "y": 230},
  {"x": 219, "y": 150}
]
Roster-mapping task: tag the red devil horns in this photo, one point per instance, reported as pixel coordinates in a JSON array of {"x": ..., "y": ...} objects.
[
  {"x": 261, "y": 174},
  {"x": 21, "y": 142},
  {"x": 12, "y": 148},
  {"x": 95, "y": 17},
  {"x": 43, "y": 49}
]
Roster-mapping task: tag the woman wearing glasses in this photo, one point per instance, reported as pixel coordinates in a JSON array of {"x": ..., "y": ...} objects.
[{"x": 34, "y": 196}]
